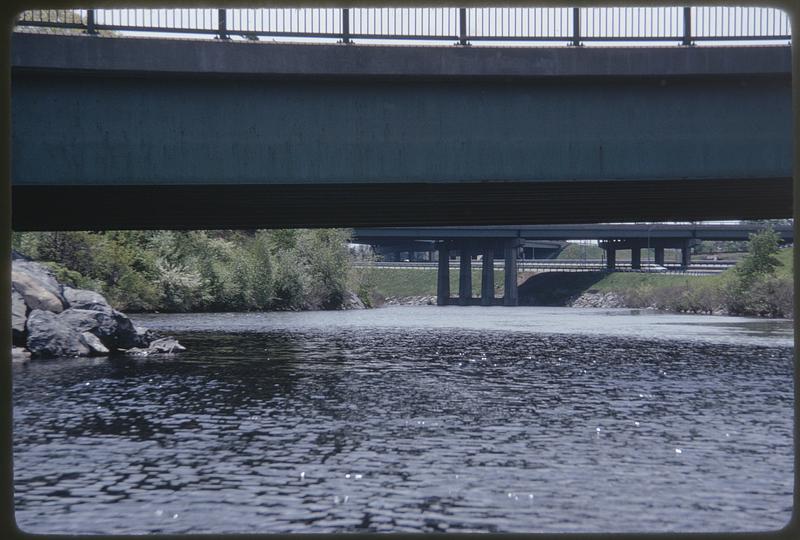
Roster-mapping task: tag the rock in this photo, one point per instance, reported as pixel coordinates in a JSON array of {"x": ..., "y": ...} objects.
[
  {"x": 40, "y": 273},
  {"x": 50, "y": 336},
  {"x": 103, "y": 325},
  {"x": 18, "y": 318},
  {"x": 596, "y": 299},
  {"x": 94, "y": 343},
  {"x": 88, "y": 325},
  {"x": 166, "y": 345},
  {"x": 159, "y": 346},
  {"x": 352, "y": 301},
  {"x": 126, "y": 332},
  {"x": 84, "y": 299},
  {"x": 144, "y": 336},
  {"x": 18, "y": 354},
  {"x": 36, "y": 293}
]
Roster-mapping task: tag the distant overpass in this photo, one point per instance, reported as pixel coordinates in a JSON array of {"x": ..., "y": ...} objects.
[
  {"x": 700, "y": 231},
  {"x": 508, "y": 241},
  {"x": 155, "y": 133},
  {"x": 545, "y": 241}
]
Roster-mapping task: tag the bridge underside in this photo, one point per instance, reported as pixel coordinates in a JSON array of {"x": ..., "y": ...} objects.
[
  {"x": 146, "y": 147},
  {"x": 348, "y": 205}
]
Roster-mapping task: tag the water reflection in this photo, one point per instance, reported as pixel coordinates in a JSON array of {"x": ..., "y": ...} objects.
[{"x": 396, "y": 430}]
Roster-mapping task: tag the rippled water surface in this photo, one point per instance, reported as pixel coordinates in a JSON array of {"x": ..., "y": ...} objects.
[{"x": 415, "y": 419}]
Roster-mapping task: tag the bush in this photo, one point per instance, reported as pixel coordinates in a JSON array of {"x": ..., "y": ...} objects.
[
  {"x": 289, "y": 281},
  {"x": 202, "y": 270},
  {"x": 327, "y": 261}
]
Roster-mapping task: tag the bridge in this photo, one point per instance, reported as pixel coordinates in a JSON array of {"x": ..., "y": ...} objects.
[
  {"x": 229, "y": 133},
  {"x": 507, "y": 241}
]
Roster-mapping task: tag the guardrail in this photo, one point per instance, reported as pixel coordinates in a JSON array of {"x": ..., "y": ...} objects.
[
  {"x": 463, "y": 26},
  {"x": 556, "y": 266}
]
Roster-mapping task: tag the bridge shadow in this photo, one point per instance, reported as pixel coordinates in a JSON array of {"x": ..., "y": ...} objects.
[{"x": 556, "y": 288}]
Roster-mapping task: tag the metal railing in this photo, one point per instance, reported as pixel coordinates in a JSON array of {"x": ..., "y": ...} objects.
[
  {"x": 562, "y": 265},
  {"x": 463, "y": 26}
]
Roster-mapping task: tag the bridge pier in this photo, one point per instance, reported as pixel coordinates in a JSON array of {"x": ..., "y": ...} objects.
[
  {"x": 443, "y": 275},
  {"x": 611, "y": 259},
  {"x": 636, "y": 258},
  {"x": 487, "y": 276},
  {"x": 660, "y": 256},
  {"x": 465, "y": 275},
  {"x": 686, "y": 254},
  {"x": 511, "y": 292}
]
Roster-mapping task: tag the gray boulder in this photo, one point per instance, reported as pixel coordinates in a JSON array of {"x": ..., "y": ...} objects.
[
  {"x": 126, "y": 332},
  {"x": 101, "y": 324},
  {"x": 114, "y": 329},
  {"x": 18, "y": 354},
  {"x": 49, "y": 336},
  {"x": 39, "y": 272},
  {"x": 85, "y": 299},
  {"x": 18, "y": 317},
  {"x": 36, "y": 293},
  {"x": 94, "y": 344}
]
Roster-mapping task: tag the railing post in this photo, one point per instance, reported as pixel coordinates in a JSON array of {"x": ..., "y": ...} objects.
[
  {"x": 576, "y": 27},
  {"x": 687, "y": 26},
  {"x": 346, "y": 26},
  {"x": 90, "y": 29},
  {"x": 222, "y": 24},
  {"x": 462, "y": 26}
]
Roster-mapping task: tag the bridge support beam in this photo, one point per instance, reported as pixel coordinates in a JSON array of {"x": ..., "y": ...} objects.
[
  {"x": 636, "y": 258},
  {"x": 443, "y": 276},
  {"x": 511, "y": 292},
  {"x": 487, "y": 276},
  {"x": 465, "y": 275},
  {"x": 686, "y": 254},
  {"x": 660, "y": 256},
  {"x": 611, "y": 259}
]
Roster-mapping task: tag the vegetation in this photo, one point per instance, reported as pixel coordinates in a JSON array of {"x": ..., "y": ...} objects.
[
  {"x": 761, "y": 284},
  {"x": 203, "y": 270}
]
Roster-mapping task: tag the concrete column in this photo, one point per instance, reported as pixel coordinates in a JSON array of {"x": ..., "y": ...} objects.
[
  {"x": 487, "y": 277},
  {"x": 611, "y": 258},
  {"x": 511, "y": 293},
  {"x": 443, "y": 276},
  {"x": 465, "y": 276},
  {"x": 686, "y": 255},
  {"x": 636, "y": 258},
  {"x": 397, "y": 256},
  {"x": 660, "y": 256}
]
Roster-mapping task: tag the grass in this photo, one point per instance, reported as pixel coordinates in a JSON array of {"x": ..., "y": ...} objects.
[
  {"x": 422, "y": 281},
  {"x": 628, "y": 280}
]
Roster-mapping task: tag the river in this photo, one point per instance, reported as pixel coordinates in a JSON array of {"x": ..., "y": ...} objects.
[{"x": 415, "y": 419}]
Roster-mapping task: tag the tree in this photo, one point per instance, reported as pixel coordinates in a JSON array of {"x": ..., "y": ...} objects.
[{"x": 760, "y": 260}]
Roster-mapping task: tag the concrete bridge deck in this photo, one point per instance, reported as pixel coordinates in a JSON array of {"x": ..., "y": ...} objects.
[{"x": 156, "y": 133}]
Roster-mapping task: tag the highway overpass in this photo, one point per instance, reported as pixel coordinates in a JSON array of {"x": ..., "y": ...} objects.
[{"x": 156, "y": 133}]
